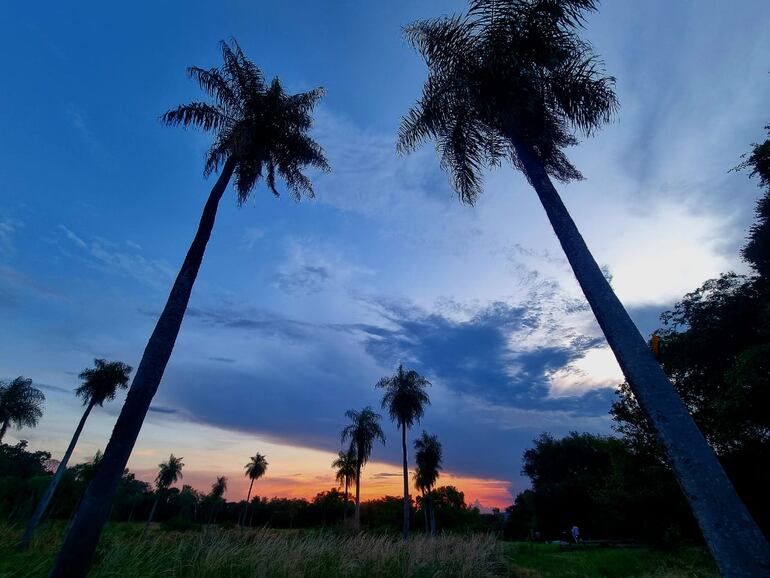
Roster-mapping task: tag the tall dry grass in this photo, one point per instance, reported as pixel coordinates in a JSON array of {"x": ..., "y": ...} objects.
[{"x": 276, "y": 553}]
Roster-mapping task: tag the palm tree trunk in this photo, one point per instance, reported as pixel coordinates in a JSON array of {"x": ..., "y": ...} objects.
[
  {"x": 152, "y": 513},
  {"x": 425, "y": 512},
  {"x": 248, "y": 495},
  {"x": 77, "y": 551},
  {"x": 357, "y": 518},
  {"x": 735, "y": 541},
  {"x": 345, "y": 508},
  {"x": 49, "y": 491},
  {"x": 4, "y": 428},
  {"x": 406, "y": 482},
  {"x": 432, "y": 513}
]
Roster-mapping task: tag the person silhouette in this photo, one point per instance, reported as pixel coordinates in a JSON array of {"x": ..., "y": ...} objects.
[{"x": 576, "y": 534}]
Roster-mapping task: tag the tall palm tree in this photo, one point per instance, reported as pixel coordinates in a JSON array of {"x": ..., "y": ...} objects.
[
  {"x": 346, "y": 470},
  {"x": 169, "y": 472},
  {"x": 362, "y": 431},
  {"x": 21, "y": 404},
  {"x": 100, "y": 384},
  {"x": 405, "y": 399},
  {"x": 218, "y": 490},
  {"x": 428, "y": 454},
  {"x": 512, "y": 79},
  {"x": 260, "y": 131},
  {"x": 255, "y": 469}
]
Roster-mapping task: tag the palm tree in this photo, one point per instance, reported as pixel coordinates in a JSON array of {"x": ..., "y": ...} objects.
[
  {"x": 513, "y": 80},
  {"x": 362, "y": 431},
  {"x": 260, "y": 131},
  {"x": 218, "y": 490},
  {"x": 346, "y": 470},
  {"x": 255, "y": 469},
  {"x": 405, "y": 399},
  {"x": 428, "y": 455},
  {"x": 168, "y": 474},
  {"x": 21, "y": 404},
  {"x": 100, "y": 384}
]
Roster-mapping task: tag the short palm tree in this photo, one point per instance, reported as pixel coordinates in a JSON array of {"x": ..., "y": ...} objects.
[
  {"x": 346, "y": 470},
  {"x": 218, "y": 489},
  {"x": 21, "y": 404},
  {"x": 100, "y": 383},
  {"x": 362, "y": 431},
  {"x": 428, "y": 454},
  {"x": 512, "y": 79},
  {"x": 255, "y": 469},
  {"x": 405, "y": 399},
  {"x": 168, "y": 473},
  {"x": 260, "y": 132}
]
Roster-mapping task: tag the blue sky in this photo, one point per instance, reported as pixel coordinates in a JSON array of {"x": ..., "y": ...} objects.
[{"x": 301, "y": 307}]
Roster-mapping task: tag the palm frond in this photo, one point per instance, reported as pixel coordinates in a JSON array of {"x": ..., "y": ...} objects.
[
  {"x": 200, "y": 114},
  {"x": 216, "y": 86}
]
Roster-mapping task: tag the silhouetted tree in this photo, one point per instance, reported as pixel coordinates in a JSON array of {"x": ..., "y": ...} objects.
[
  {"x": 260, "y": 131},
  {"x": 21, "y": 404},
  {"x": 255, "y": 469},
  {"x": 346, "y": 471},
  {"x": 100, "y": 384},
  {"x": 405, "y": 399},
  {"x": 168, "y": 474},
  {"x": 512, "y": 79},
  {"x": 218, "y": 489},
  {"x": 428, "y": 455},
  {"x": 757, "y": 249},
  {"x": 362, "y": 431}
]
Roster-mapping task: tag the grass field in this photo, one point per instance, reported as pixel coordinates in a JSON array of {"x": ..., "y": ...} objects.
[{"x": 252, "y": 553}]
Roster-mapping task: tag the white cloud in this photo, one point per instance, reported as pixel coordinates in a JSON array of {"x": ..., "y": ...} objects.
[{"x": 597, "y": 369}]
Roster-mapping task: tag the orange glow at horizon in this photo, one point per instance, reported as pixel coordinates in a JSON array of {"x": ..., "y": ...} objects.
[
  {"x": 293, "y": 472},
  {"x": 381, "y": 480}
]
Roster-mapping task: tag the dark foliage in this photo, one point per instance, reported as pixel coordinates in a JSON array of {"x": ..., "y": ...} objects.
[
  {"x": 255, "y": 122},
  {"x": 601, "y": 485},
  {"x": 508, "y": 72}
]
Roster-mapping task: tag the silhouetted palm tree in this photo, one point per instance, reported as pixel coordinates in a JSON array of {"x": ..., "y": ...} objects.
[
  {"x": 100, "y": 384},
  {"x": 346, "y": 470},
  {"x": 255, "y": 469},
  {"x": 260, "y": 131},
  {"x": 513, "y": 80},
  {"x": 21, "y": 404},
  {"x": 405, "y": 399},
  {"x": 168, "y": 474},
  {"x": 428, "y": 455},
  {"x": 218, "y": 489},
  {"x": 362, "y": 431}
]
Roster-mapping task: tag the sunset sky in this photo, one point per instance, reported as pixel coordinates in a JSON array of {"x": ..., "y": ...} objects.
[{"x": 301, "y": 307}]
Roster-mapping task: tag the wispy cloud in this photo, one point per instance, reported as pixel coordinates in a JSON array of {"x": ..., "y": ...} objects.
[
  {"x": 110, "y": 257},
  {"x": 78, "y": 118}
]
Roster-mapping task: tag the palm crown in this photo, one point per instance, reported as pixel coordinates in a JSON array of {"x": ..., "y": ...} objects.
[
  {"x": 101, "y": 382},
  {"x": 20, "y": 403},
  {"x": 363, "y": 429},
  {"x": 345, "y": 466},
  {"x": 169, "y": 472},
  {"x": 405, "y": 397},
  {"x": 256, "y": 467},
  {"x": 428, "y": 455},
  {"x": 258, "y": 125},
  {"x": 510, "y": 73},
  {"x": 219, "y": 487}
]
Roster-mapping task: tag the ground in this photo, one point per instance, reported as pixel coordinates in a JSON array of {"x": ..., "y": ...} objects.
[{"x": 124, "y": 551}]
